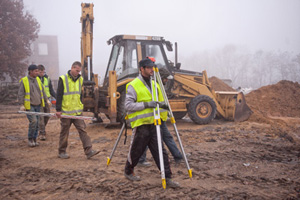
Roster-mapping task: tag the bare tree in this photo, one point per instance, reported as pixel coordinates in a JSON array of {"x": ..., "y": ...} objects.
[{"x": 18, "y": 30}]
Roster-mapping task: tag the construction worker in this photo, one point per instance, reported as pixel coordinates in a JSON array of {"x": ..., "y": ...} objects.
[
  {"x": 49, "y": 92},
  {"x": 69, "y": 102},
  {"x": 139, "y": 105},
  {"x": 32, "y": 96},
  {"x": 166, "y": 135}
]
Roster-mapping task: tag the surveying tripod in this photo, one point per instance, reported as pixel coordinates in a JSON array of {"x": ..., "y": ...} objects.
[{"x": 157, "y": 123}]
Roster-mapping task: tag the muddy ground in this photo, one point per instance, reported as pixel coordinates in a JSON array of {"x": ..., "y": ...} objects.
[{"x": 255, "y": 159}]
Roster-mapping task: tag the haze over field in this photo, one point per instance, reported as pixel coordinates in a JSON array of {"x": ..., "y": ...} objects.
[{"x": 198, "y": 27}]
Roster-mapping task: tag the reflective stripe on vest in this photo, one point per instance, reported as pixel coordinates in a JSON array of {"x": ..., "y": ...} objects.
[
  {"x": 46, "y": 85},
  {"x": 145, "y": 116},
  {"x": 71, "y": 103},
  {"x": 27, "y": 91}
]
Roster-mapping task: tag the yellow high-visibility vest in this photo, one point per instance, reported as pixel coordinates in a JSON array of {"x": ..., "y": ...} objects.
[
  {"x": 46, "y": 86},
  {"x": 27, "y": 91},
  {"x": 71, "y": 103},
  {"x": 145, "y": 116}
]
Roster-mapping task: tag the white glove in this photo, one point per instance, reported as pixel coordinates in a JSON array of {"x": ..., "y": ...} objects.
[{"x": 22, "y": 108}]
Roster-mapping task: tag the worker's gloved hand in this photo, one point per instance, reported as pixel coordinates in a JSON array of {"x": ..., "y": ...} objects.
[
  {"x": 22, "y": 108},
  {"x": 163, "y": 105},
  {"x": 49, "y": 103},
  {"x": 150, "y": 104}
]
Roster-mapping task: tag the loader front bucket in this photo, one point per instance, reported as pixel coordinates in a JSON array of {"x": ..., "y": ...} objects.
[{"x": 242, "y": 110}]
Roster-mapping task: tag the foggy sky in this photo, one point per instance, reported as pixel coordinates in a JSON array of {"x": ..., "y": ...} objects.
[{"x": 196, "y": 25}]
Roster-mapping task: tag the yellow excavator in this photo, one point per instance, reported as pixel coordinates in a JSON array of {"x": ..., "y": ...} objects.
[{"x": 189, "y": 92}]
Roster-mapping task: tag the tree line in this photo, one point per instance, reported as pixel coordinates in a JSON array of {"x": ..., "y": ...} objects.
[{"x": 244, "y": 68}]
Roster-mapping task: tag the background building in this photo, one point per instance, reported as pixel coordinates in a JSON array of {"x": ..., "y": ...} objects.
[{"x": 45, "y": 52}]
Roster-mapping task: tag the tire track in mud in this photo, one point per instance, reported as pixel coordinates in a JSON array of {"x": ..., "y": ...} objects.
[
  {"x": 236, "y": 160},
  {"x": 49, "y": 183},
  {"x": 229, "y": 161}
]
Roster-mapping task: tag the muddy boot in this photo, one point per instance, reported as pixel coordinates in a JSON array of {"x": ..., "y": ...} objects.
[
  {"x": 132, "y": 177},
  {"x": 63, "y": 155},
  {"x": 42, "y": 137},
  {"x": 144, "y": 164},
  {"x": 35, "y": 142},
  {"x": 31, "y": 143},
  {"x": 178, "y": 161},
  {"x": 92, "y": 153},
  {"x": 172, "y": 184}
]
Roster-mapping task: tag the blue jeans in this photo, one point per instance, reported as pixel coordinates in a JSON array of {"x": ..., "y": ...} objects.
[
  {"x": 169, "y": 141},
  {"x": 33, "y": 127}
]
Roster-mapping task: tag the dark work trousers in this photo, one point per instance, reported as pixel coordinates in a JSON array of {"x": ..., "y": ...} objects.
[
  {"x": 169, "y": 141},
  {"x": 64, "y": 134},
  {"x": 142, "y": 137},
  {"x": 44, "y": 120}
]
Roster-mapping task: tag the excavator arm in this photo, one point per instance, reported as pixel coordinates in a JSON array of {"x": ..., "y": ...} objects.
[
  {"x": 87, "y": 20},
  {"x": 90, "y": 81}
]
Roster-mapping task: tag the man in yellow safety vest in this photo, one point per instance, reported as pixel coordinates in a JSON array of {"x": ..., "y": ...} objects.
[
  {"x": 46, "y": 81},
  {"x": 68, "y": 102},
  {"x": 139, "y": 106},
  {"x": 32, "y": 96}
]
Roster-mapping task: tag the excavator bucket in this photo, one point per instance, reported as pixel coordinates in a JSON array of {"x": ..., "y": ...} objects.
[{"x": 242, "y": 110}]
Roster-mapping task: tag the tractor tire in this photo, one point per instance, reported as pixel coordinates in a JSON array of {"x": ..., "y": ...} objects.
[
  {"x": 202, "y": 109},
  {"x": 179, "y": 115}
]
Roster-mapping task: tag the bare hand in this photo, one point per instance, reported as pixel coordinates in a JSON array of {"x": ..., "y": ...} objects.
[
  {"x": 58, "y": 114},
  {"x": 49, "y": 103},
  {"x": 22, "y": 108}
]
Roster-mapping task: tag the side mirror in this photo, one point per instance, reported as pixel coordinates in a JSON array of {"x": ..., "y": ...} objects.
[
  {"x": 178, "y": 65},
  {"x": 169, "y": 46}
]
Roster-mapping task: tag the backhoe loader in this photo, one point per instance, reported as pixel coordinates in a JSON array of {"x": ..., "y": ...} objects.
[{"x": 189, "y": 92}]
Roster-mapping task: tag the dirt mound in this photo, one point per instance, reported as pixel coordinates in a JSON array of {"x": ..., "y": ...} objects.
[
  {"x": 218, "y": 85},
  {"x": 278, "y": 100}
]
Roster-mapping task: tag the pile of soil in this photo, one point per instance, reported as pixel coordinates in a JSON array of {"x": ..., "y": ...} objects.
[
  {"x": 218, "y": 85},
  {"x": 278, "y": 100}
]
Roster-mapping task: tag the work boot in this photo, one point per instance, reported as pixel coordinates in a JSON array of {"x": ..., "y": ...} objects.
[
  {"x": 132, "y": 177},
  {"x": 63, "y": 155},
  {"x": 144, "y": 164},
  {"x": 36, "y": 143},
  {"x": 31, "y": 143},
  {"x": 178, "y": 161},
  {"x": 92, "y": 153},
  {"x": 43, "y": 137},
  {"x": 172, "y": 184}
]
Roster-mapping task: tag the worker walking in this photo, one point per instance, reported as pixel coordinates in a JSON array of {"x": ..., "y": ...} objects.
[
  {"x": 46, "y": 81},
  {"x": 69, "y": 102},
  {"x": 139, "y": 105},
  {"x": 32, "y": 96}
]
